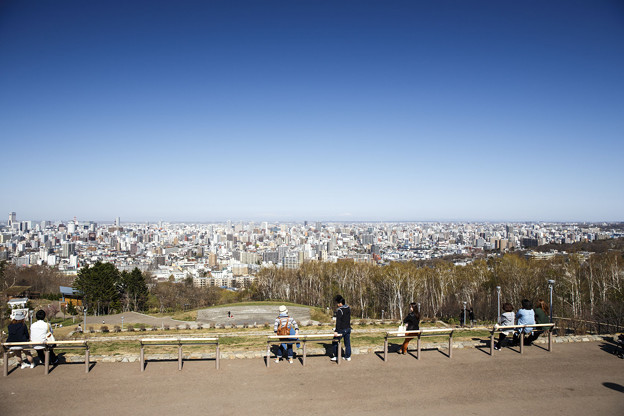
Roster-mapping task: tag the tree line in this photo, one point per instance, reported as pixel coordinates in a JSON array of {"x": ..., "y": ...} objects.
[{"x": 587, "y": 288}]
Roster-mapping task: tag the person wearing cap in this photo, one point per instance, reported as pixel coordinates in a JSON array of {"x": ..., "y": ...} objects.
[
  {"x": 283, "y": 320},
  {"x": 18, "y": 332},
  {"x": 39, "y": 333}
]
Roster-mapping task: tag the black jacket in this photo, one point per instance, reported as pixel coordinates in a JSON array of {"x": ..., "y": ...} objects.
[
  {"x": 343, "y": 318},
  {"x": 18, "y": 333},
  {"x": 412, "y": 322}
]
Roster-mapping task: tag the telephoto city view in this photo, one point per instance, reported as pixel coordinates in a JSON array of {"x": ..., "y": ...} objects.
[{"x": 326, "y": 207}]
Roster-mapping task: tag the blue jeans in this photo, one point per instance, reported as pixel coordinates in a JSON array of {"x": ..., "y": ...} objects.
[
  {"x": 285, "y": 348},
  {"x": 346, "y": 335}
]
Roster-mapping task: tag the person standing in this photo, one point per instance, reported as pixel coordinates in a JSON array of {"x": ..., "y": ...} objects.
[
  {"x": 285, "y": 325},
  {"x": 18, "y": 332},
  {"x": 413, "y": 324},
  {"x": 343, "y": 327},
  {"x": 39, "y": 333}
]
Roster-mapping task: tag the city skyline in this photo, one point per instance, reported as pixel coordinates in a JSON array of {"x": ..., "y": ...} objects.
[{"x": 319, "y": 111}]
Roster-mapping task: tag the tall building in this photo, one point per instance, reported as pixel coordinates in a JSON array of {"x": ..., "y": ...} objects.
[
  {"x": 12, "y": 218},
  {"x": 117, "y": 221}
]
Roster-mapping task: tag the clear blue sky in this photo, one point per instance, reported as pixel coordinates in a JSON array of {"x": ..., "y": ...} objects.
[{"x": 312, "y": 110}]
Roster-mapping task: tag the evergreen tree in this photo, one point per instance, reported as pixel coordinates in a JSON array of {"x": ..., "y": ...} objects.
[{"x": 98, "y": 284}]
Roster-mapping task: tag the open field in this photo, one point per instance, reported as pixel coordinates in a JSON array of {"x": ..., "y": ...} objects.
[{"x": 575, "y": 379}]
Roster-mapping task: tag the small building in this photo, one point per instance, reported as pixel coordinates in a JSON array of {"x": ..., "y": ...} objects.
[{"x": 70, "y": 295}]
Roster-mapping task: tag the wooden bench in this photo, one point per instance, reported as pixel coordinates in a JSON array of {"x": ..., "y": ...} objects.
[
  {"x": 303, "y": 339},
  {"x": 418, "y": 334},
  {"x": 79, "y": 344},
  {"x": 179, "y": 342},
  {"x": 497, "y": 328}
]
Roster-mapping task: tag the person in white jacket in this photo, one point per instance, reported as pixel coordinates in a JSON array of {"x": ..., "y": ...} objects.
[{"x": 38, "y": 333}]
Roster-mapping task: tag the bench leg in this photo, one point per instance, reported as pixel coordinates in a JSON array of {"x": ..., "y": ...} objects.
[
  {"x": 142, "y": 359},
  {"x": 179, "y": 357},
  {"x": 47, "y": 360},
  {"x": 522, "y": 342},
  {"x": 418, "y": 348},
  {"x": 5, "y": 364},
  {"x": 385, "y": 349},
  {"x": 87, "y": 360},
  {"x": 492, "y": 345},
  {"x": 218, "y": 356},
  {"x": 268, "y": 354}
]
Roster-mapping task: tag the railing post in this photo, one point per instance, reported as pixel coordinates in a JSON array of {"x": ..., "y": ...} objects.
[
  {"x": 521, "y": 341},
  {"x": 386, "y": 348},
  {"x": 87, "y": 358},
  {"x": 5, "y": 356},
  {"x": 268, "y": 352},
  {"x": 142, "y": 357},
  {"x": 339, "y": 352},
  {"x": 304, "y": 352},
  {"x": 218, "y": 356},
  {"x": 179, "y": 355},
  {"x": 47, "y": 360},
  {"x": 492, "y": 343},
  {"x": 451, "y": 345},
  {"x": 550, "y": 339},
  {"x": 418, "y": 347}
]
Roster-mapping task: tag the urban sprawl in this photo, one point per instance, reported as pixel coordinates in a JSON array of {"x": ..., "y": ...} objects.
[{"x": 230, "y": 254}]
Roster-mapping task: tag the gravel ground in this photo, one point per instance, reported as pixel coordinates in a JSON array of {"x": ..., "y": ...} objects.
[{"x": 575, "y": 379}]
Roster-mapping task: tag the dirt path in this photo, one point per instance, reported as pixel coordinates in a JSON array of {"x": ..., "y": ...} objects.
[
  {"x": 250, "y": 314},
  {"x": 575, "y": 379}
]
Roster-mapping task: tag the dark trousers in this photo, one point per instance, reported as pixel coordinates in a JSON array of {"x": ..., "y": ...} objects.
[
  {"x": 346, "y": 335},
  {"x": 501, "y": 340},
  {"x": 41, "y": 355}
]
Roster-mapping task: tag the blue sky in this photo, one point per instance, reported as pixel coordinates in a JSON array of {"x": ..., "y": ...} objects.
[{"x": 312, "y": 110}]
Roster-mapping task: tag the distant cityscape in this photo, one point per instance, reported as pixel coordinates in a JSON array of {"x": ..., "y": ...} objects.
[{"x": 230, "y": 254}]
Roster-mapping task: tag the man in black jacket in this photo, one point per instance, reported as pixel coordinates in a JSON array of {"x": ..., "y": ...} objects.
[{"x": 343, "y": 327}]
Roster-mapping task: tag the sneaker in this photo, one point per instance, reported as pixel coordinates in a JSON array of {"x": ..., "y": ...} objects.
[
  {"x": 334, "y": 358},
  {"x": 290, "y": 360},
  {"x": 497, "y": 348},
  {"x": 32, "y": 365},
  {"x": 277, "y": 360},
  {"x": 24, "y": 365},
  {"x": 348, "y": 359}
]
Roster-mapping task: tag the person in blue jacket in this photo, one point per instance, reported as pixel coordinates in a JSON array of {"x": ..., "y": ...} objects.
[{"x": 524, "y": 316}]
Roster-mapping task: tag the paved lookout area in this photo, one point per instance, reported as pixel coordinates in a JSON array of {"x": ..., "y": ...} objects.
[{"x": 575, "y": 379}]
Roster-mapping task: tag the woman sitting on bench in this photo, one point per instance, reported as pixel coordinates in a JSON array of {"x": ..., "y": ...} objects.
[{"x": 507, "y": 318}]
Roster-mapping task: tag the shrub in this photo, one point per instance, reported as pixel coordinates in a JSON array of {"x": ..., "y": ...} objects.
[
  {"x": 166, "y": 327},
  {"x": 187, "y": 326},
  {"x": 266, "y": 325},
  {"x": 104, "y": 328},
  {"x": 91, "y": 330},
  {"x": 212, "y": 325},
  {"x": 200, "y": 326},
  {"x": 154, "y": 328},
  {"x": 130, "y": 328},
  {"x": 116, "y": 328},
  {"x": 142, "y": 327}
]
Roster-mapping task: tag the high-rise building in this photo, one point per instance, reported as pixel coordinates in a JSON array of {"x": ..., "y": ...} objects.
[
  {"x": 117, "y": 221},
  {"x": 12, "y": 218}
]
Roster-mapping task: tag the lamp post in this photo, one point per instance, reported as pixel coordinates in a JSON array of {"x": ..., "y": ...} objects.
[
  {"x": 122, "y": 323},
  {"x": 382, "y": 312},
  {"x": 418, "y": 307},
  {"x": 84, "y": 325},
  {"x": 551, "y": 283},
  {"x": 464, "y": 324},
  {"x": 498, "y": 301}
]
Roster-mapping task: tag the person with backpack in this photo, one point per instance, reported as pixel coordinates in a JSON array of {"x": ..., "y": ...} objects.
[
  {"x": 343, "y": 328},
  {"x": 285, "y": 325}
]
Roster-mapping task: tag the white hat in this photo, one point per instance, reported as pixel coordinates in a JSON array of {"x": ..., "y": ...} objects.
[
  {"x": 282, "y": 309},
  {"x": 19, "y": 315}
]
